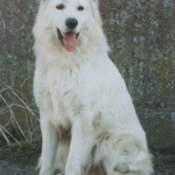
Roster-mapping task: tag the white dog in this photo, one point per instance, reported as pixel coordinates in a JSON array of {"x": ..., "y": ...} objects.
[{"x": 88, "y": 121}]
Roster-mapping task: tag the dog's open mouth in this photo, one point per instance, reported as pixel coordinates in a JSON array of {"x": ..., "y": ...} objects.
[{"x": 68, "y": 39}]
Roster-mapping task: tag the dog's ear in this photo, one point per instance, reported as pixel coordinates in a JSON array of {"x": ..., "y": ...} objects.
[{"x": 95, "y": 10}]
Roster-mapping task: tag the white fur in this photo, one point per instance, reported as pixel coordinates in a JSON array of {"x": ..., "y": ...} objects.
[{"x": 87, "y": 115}]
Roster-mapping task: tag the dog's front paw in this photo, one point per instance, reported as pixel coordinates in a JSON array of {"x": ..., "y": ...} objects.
[
  {"x": 59, "y": 173},
  {"x": 72, "y": 173}
]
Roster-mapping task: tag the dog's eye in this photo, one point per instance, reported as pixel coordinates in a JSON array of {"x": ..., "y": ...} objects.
[
  {"x": 80, "y": 8},
  {"x": 60, "y": 6}
]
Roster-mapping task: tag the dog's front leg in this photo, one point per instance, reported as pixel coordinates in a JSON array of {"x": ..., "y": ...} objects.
[
  {"x": 82, "y": 141},
  {"x": 49, "y": 146}
]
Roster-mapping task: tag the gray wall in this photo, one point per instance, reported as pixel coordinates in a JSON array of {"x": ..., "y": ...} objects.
[{"x": 141, "y": 35}]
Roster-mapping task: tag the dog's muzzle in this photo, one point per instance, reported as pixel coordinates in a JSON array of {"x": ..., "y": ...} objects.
[
  {"x": 71, "y": 23},
  {"x": 69, "y": 38}
]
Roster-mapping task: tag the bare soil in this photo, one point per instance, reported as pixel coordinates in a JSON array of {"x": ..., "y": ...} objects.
[
  {"x": 22, "y": 160},
  {"x": 10, "y": 168}
]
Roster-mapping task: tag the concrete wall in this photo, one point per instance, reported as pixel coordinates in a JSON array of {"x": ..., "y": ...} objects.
[{"x": 141, "y": 35}]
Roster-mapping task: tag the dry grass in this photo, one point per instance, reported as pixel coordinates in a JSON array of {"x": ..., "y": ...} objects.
[
  {"x": 20, "y": 122},
  {"x": 164, "y": 160}
]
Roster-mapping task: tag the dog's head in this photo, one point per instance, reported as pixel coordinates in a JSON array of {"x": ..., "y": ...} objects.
[{"x": 69, "y": 18}]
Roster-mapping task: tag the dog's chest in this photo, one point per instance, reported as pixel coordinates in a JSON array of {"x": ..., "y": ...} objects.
[{"x": 66, "y": 92}]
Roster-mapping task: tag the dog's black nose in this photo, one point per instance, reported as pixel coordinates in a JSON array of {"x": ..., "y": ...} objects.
[{"x": 71, "y": 23}]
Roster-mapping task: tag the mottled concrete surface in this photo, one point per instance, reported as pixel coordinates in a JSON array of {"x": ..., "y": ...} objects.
[
  {"x": 141, "y": 35},
  {"x": 16, "y": 68},
  {"x": 9, "y": 168}
]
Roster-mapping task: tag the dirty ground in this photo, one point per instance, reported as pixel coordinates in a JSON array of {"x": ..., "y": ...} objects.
[{"x": 22, "y": 161}]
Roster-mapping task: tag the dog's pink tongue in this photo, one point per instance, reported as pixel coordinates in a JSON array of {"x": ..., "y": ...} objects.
[{"x": 69, "y": 41}]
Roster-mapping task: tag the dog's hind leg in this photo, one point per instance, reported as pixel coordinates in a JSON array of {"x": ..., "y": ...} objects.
[
  {"x": 49, "y": 146},
  {"x": 123, "y": 154},
  {"x": 82, "y": 141}
]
